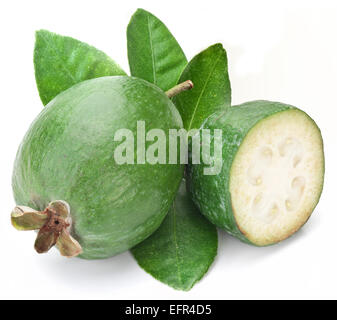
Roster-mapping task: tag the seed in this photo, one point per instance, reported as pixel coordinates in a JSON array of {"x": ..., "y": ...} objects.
[{"x": 288, "y": 205}]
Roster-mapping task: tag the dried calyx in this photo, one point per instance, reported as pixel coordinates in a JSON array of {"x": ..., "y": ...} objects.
[{"x": 54, "y": 224}]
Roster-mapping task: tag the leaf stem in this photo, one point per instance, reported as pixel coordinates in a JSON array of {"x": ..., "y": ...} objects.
[{"x": 186, "y": 85}]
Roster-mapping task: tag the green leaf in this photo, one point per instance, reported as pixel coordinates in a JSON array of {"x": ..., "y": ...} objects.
[
  {"x": 180, "y": 252},
  {"x": 154, "y": 54},
  {"x": 212, "y": 91},
  {"x": 60, "y": 62}
]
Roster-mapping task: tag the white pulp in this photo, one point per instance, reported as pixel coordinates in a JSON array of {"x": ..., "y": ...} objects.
[{"x": 277, "y": 176}]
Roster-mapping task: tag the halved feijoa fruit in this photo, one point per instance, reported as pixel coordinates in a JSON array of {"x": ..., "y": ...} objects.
[{"x": 272, "y": 172}]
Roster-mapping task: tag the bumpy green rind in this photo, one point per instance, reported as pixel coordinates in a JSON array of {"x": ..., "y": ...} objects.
[
  {"x": 68, "y": 154},
  {"x": 61, "y": 62},
  {"x": 181, "y": 251},
  {"x": 211, "y": 193}
]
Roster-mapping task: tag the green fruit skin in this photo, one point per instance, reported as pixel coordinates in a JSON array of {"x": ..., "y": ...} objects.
[
  {"x": 68, "y": 154},
  {"x": 211, "y": 193}
]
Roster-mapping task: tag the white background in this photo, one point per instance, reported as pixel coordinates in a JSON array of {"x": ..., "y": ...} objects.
[{"x": 278, "y": 50}]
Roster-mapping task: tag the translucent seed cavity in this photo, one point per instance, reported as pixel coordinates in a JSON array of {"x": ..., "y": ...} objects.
[
  {"x": 298, "y": 183},
  {"x": 272, "y": 172},
  {"x": 257, "y": 198},
  {"x": 288, "y": 205},
  {"x": 296, "y": 161},
  {"x": 297, "y": 186},
  {"x": 272, "y": 213},
  {"x": 288, "y": 146},
  {"x": 254, "y": 175},
  {"x": 274, "y": 210},
  {"x": 256, "y": 170},
  {"x": 257, "y": 204},
  {"x": 266, "y": 153}
]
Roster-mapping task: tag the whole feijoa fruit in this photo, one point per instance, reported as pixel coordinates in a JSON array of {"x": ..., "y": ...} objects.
[
  {"x": 271, "y": 176},
  {"x": 67, "y": 183}
]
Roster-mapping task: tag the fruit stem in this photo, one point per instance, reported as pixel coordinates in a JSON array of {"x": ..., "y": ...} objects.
[
  {"x": 186, "y": 85},
  {"x": 54, "y": 225}
]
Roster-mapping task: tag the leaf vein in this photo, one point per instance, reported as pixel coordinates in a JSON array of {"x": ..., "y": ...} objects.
[
  {"x": 152, "y": 51},
  {"x": 51, "y": 45},
  {"x": 202, "y": 91}
]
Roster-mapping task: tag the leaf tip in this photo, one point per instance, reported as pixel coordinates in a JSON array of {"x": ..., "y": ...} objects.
[
  {"x": 41, "y": 32},
  {"x": 137, "y": 13},
  {"x": 141, "y": 10},
  {"x": 217, "y": 46}
]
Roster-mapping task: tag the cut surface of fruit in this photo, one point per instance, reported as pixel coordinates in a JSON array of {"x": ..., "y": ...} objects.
[
  {"x": 272, "y": 172},
  {"x": 276, "y": 177}
]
